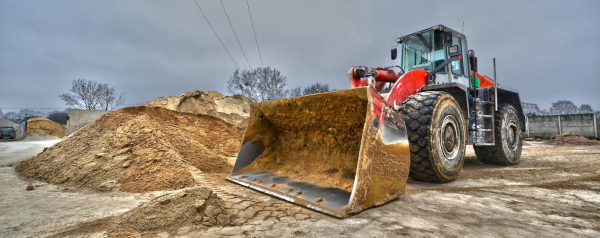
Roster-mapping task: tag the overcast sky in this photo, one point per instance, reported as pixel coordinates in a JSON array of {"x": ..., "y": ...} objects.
[{"x": 548, "y": 50}]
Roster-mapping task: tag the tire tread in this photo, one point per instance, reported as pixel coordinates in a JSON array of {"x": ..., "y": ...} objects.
[
  {"x": 495, "y": 154},
  {"x": 417, "y": 110}
]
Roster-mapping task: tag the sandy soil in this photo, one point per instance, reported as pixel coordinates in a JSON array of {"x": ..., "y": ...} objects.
[
  {"x": 138, "y": 149},
  {"x": 554, "y": 191},
  {"x": 49, "y": 209},
  {"x": 44, "y": 126}
]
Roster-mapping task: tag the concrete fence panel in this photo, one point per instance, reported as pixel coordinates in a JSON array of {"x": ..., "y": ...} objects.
[
  {"x": 80, "y": 118},
  {"x": 548, "y": 126},
  {"x": 543, "y": 126},
  {"x": 582, "y": 124}
]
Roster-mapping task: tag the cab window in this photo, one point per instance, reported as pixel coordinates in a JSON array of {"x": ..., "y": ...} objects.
[
  {"x": 457, "y": 66},
  {"x": 439, "y": 51},
  {"x": 465, "y": 57}
]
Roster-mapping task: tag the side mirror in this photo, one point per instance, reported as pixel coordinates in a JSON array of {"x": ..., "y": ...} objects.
[
  {"x": 394, "y": 53},
  {"x": 454, "y": 51}
]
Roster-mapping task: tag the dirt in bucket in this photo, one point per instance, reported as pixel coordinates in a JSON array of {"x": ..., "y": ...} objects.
[{"x": 314, "y": 139}]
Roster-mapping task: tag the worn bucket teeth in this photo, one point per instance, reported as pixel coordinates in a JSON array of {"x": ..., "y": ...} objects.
[{"x": 338, "y": 152}]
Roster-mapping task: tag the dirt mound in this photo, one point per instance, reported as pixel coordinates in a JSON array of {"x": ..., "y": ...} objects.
[
  {"x": 232, "y": 109},
  {"x": 570, "y": 138},
  {"x": 138, "y": 149},
  {"x": 192, "y": 207},
  {"x": 43, "y": 126}
]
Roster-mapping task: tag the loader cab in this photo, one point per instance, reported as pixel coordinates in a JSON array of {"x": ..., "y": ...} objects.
[{"x": 427, "y": 49}]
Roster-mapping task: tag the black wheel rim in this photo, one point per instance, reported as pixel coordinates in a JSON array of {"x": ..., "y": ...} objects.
[{"x": 511, "y": 135}]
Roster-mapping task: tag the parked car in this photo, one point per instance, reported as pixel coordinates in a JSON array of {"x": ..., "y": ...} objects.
[{"x": 8, "y": 132}]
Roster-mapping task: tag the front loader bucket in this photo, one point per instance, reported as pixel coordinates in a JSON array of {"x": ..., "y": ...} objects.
[{"x": 338, "y": 152}]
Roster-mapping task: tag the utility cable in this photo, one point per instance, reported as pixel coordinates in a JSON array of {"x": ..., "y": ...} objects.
[
  {"x": 236, "y": 37},
  {"x": 261, "y": 61},
  {"x": 211, "y": 27}
]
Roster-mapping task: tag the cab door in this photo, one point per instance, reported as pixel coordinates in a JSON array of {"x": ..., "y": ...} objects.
[{"x": 459, "y": 69}]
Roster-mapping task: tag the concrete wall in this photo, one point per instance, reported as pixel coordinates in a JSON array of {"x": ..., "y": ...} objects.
[
  {"x": 79, "y": 118},
  {"x": 582, "y": 124},
  {"x": 21, "y": 128},
  {"x": 549, "y": 126}
]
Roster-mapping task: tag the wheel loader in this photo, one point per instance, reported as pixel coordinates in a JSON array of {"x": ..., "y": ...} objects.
[{"x": 342, "y": 152}]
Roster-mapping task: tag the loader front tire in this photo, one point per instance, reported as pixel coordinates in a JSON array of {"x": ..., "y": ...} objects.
[
  {"x": 436, "y": 132},
  {"x": 509, "y": 140}
]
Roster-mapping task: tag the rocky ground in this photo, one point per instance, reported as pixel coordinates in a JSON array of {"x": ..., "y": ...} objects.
[
  {"x": 554, "y": 191},
  {"x": 48, "y": 209}
]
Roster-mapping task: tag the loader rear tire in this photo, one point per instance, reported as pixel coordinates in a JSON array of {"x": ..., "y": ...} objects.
[
  {"x": 436, "y": 132},
  {"x": 509, "y": 139}
]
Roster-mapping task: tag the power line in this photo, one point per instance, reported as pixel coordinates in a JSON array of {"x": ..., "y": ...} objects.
[
  {"x": 236, "y": 37},
  {"x": 261, "y": 61},
  {"x": 211, "y": 27}
]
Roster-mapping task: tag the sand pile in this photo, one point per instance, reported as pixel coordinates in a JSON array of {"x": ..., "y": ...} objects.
[
  {"x": 138, "y": 149},
  {"x": 232, "y": 109},
  {"x": 571, "y": 139},
  {"x": 170, "y": 214},
  {"x": 43, "y": 126},
  {"x": 195, "y": 207}
]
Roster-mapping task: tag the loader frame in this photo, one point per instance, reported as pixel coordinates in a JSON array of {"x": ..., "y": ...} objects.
[{"x": 466, "y": 97}]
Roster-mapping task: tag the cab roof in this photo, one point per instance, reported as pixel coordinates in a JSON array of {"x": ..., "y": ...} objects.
[{"x": 439, "y": 27}]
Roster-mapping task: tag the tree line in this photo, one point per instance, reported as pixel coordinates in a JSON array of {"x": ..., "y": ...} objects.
[
  {"x": 18, "y": 118},
  {"x": 560, "y": 107},
  {"x": 266, "y": 83},
  {"x": 84, "y": 94}
]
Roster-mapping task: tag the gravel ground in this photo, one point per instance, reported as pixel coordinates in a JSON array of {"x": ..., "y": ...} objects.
[
  {"x": 49, "y": 209},
  {"x": 554, "y": 191}
]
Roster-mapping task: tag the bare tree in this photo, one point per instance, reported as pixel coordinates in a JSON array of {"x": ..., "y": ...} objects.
[
  {"x": 296, "y": 92},
  {"x": 91, "y": 95},
  {"x": 0, "y": 112},
  {"x": 316, "y": 88},
  {"x": 260, "y": 84},
  {"x": 563, "y": 107},
  {"x": 530, "y": 109},
  {"x": 586, "y": 108}
]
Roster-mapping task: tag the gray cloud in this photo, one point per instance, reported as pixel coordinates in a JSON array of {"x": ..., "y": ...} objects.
[{"x": 546, "y": 49}]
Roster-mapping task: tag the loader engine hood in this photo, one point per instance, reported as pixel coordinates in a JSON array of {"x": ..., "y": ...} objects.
[{"x": 338, "y": 152}]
